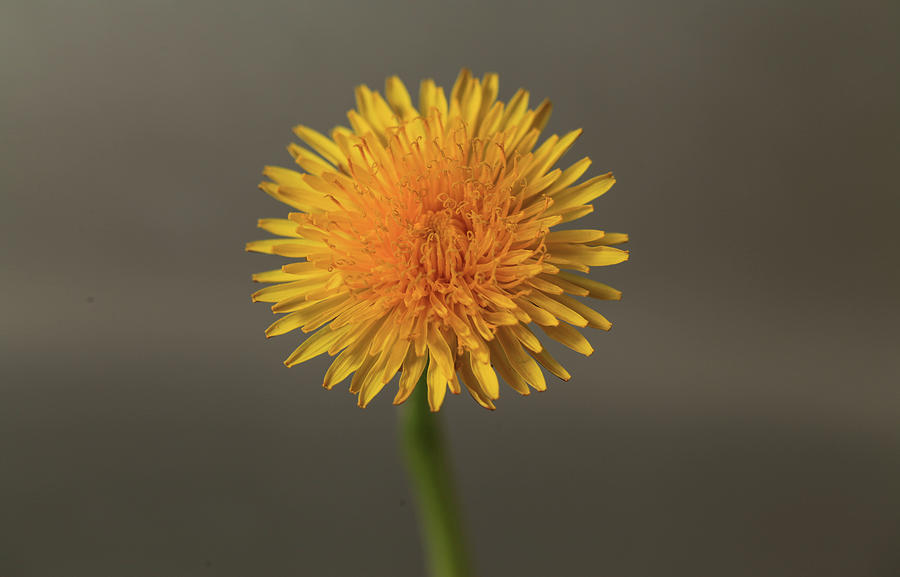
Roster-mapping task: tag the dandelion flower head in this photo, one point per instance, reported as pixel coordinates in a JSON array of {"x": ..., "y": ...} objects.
[{"x": 423, "y": 239}]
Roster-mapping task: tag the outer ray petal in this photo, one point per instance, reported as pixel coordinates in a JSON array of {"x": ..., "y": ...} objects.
[
  {"x": 437, "y": 386},
  {"x": 551, "y": 364},
  {"x": 277, "y": 275},
  {"x": 413, "y": 366},
  {"x": 595, "y": 289},
  {"x": 315, "y": 345},
  {"x": 570, "y": 337},
  {"x": 473, "y": 385}
]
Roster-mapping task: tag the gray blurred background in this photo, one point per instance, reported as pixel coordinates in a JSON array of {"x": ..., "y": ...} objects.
[{"x": 741, "y": 419}]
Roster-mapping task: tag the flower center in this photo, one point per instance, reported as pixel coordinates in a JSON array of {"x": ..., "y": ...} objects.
[{"x": 436, "y": 230}]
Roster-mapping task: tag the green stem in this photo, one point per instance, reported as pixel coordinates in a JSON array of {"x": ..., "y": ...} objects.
[{"x": 432, "y": 482}]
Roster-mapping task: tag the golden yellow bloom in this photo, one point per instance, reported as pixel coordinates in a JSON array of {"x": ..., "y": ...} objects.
[{"x": 426, "y": 233}]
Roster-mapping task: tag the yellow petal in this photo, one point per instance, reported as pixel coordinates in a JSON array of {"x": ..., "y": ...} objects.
[
  {"x": 521, "y": 362},
  {"x": 470, "y": 105},
  {"x": 308, "y": 160},
  {"x": 303, "y": 199},
  {"x": 500, "y": 317},
  {"x": 485, "y": 375},
  {"x": 573, "y": 236},
  {"x": 570, "y": 337},
  {"x": 361, "y": 126},
  {"x": 298, "y": 249},
  {"x": 279, "y": 226},
  {"x": 301, "y": 268},
  {"x": 490, "y": 86},
  {"x": 372, "y": 384},
  {"x": 595, "y": 289},
  {"x": 309, "y": 316},
  {"x": 357, "y": 313},
  {"x": 439, "y": 351},
  {"x": 526, "y": 337},
  {"x": 286, "y": 324},
  {"x": 365, "y": 105},
  {"x": 321, "y": 144},
  {"x": 612, "y": 238},
  {"x": 575, "y": 212},
  {"x": 583, "y": 193},
  {"x": 491, "y": 121},
  {"x": 283, "y": 176},
  {"x": 498, "y": 298},
  {"x": 453, "y": 384},
  {"x": 544, "y": 286},
  {"x": 395, "y": 356},
  {"x": 459, "y": 87},
  {"x": 587, "y": 255},
  {"x": 279, "y": 292},
  {"x": 437, "y": 386},
  {"x": 505, "y": 369},
  {"x": 299, "y": 302},
  {"x": 427, "y": 96},
  {"x": 595, "y": 319},
  {"x": 277, "y": 275},
  {"x": 398, "y": 97},
  {"x": 556, "y": 150},
  {"x": 315, "y": 345},
  {"x": 381, "y": 111},
  {"x": 569, "y": 176},
  {"x": 271, "y": 245},
  {"x": 563, "y": 285},
  {"x": 351, "y": 358},
  {"x": 551, "y": 364},
  {"x": 320, "y": 316},
  {"x": 413, "y": 366},
  {"x": 345, "y": 363},
  {"x": 540, "y": 184},
  {"x": 542, "y": 115},
  {"x": 525, "y": 138},
  {"x": 556, "y": 308},
  {"x": 440, "y": 102},
  {"x": 362, "y": 372},
  {"x": 537, "y": 314},
  {"x": 515, "y": 110},
  {"x": 473, "y": 386}
]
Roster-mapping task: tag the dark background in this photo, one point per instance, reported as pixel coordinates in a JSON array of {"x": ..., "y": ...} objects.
[{"x": 741, "y": 419}]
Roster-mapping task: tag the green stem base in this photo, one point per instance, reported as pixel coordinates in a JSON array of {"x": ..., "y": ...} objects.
[{"x": 431, "y": 478}]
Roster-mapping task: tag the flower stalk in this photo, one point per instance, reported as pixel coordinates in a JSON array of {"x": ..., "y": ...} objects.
[{"x": 431, "y": 478}]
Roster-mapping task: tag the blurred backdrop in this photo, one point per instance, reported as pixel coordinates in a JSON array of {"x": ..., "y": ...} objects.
[{"x": 741, "y": 418}]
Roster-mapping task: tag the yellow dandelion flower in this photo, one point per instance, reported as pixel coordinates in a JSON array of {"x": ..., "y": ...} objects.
[{"x": 424, "y": 237}]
